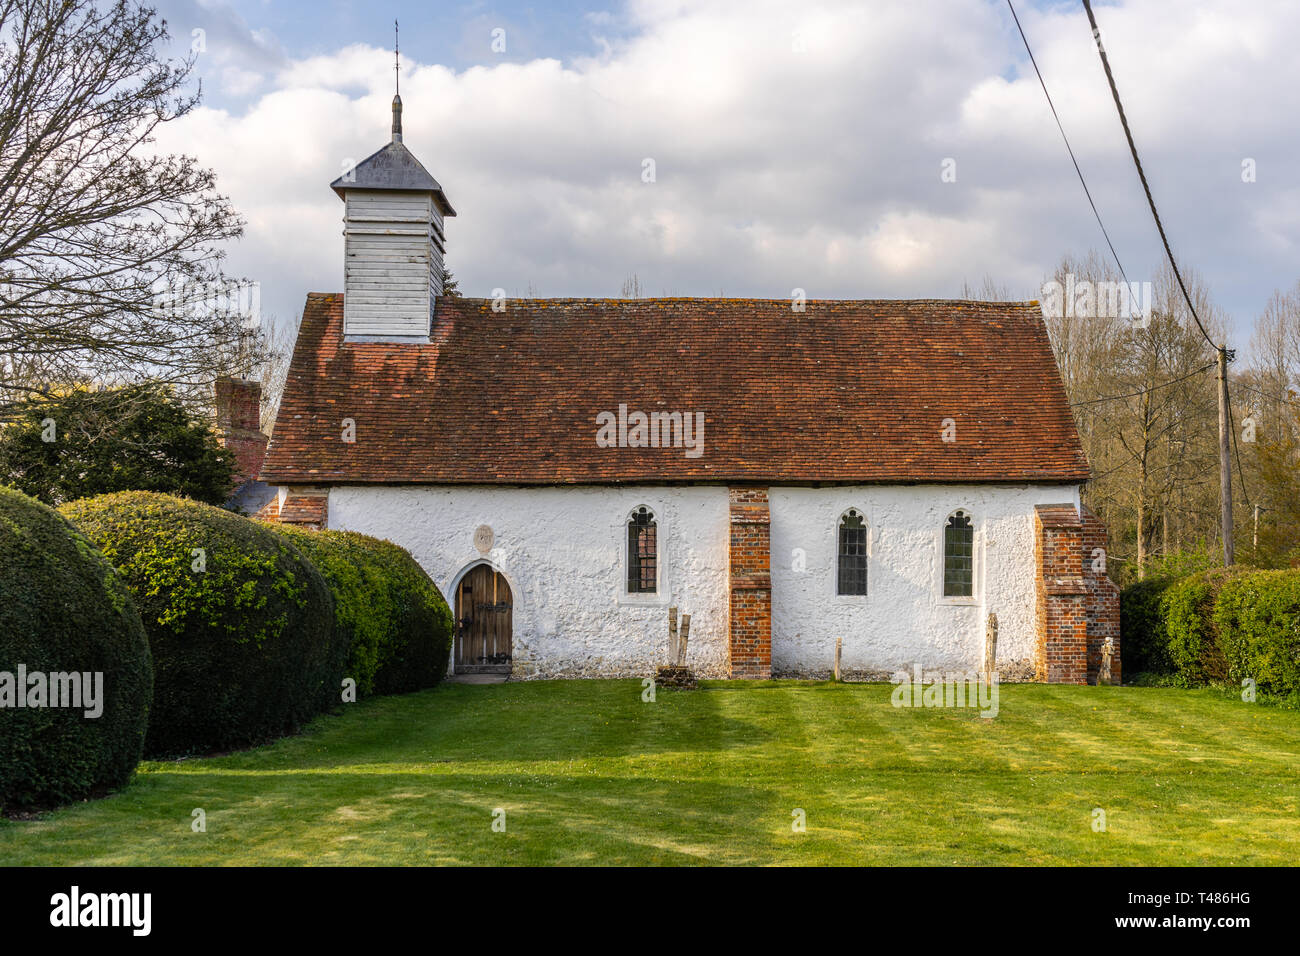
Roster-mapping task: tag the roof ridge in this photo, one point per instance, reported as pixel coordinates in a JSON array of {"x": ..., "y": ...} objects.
[{"x": 784, "y": 302}]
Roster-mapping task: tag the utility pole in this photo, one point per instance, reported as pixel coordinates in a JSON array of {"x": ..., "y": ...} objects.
[{"x": 1225, "y": 461}]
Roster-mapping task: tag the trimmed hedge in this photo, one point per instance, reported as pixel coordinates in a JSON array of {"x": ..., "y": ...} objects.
[
  {"x": 1191, "y": 637},
  {"x": 1215, "y": 627},
  {"x": 1141, "y": 624},
  {"x": 1258, "y": 618},
  {"x": 62, "y": 610},
  {"x": 396, "y": 622},
  {"x": 240, "y": 624}
]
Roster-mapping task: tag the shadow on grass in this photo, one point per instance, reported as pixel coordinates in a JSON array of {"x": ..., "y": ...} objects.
[{"x": 510, "y": 723}]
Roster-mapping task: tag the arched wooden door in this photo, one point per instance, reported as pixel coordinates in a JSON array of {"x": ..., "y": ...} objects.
[{"x": 483, "y": 622}]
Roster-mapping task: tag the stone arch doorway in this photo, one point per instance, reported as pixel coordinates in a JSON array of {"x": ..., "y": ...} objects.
[{"x": 484, "y": 622}]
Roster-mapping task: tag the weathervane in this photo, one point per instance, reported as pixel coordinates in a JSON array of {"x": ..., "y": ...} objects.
[{"x": 397, "y": 75}]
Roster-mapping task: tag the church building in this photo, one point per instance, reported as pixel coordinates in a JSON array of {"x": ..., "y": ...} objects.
[{"x": 884, "y": 474}]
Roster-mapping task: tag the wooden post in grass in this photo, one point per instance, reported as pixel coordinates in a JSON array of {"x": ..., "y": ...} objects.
[
  {"x": 675, "y": 673},
  {"x": 839, "y": 646},
  {"x": 672, "y": 635},
  {"x": 990, "y": 648}
]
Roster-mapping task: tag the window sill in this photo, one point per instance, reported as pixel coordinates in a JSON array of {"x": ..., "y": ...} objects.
[
  {"x": 851, "y": 598},
  {"x": 642, "y": 599}
]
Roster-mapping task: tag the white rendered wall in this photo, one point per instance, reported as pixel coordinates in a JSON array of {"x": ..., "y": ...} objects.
[
  {"x": 904, "y": 620},
  {"x": 563, "y": 552}
]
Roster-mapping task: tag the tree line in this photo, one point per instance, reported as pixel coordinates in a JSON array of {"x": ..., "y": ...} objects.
[{"x": 1142, "y": 386}]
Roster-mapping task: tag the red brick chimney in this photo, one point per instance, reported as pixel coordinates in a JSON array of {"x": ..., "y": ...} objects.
[{"x": 239, "y": 422}]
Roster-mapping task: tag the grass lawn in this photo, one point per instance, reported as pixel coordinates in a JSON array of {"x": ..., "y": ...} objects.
[{"x": 588, "y": 773}]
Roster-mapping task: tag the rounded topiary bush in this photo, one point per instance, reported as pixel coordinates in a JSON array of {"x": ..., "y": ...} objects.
[
  {"x": 417, "y": 655},
  {"x": 239, "y": 622},
  {"x": 63, "y": 610},
  {"x": 397, "y": 623},
  {"x": 1258, "y": 619}
]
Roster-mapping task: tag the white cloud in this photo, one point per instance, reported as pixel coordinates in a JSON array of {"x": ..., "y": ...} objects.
[
  {"x": 783, "y": 160},
  {"x": 239, "y": 82}
]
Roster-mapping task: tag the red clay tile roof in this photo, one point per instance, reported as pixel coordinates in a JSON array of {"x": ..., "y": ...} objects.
[
  {"x": 1059, "y": 516},
  {"x": 303, "y": 509},
  {"x": 847, "y": 391}
]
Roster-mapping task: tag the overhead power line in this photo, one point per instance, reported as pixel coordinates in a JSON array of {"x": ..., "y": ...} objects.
[
  {"x": 1114, "y": 92},
  {"x": 1227, "y": 436},
  {"x": 1271, "y": 398},
  {"x": 1068, "y": 149},
  {"x": 1134, "y": 456},
  {"x": 1144, "y": 391}
]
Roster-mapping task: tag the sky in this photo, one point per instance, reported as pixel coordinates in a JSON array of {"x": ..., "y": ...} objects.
[{"x": 888, "y": 149}]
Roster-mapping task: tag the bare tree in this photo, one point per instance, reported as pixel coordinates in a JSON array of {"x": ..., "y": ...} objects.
[
  {"x": 1274, "y": 378},
  {"x": 631, "y": 288},
  {"x": 273, "y": 368},
  {"x": 110, "y": 253},
  {"x": 1144, "y": 404},
  {"x": 990, "y": 290},
  {"x": 1270, "y": 392},
  {"x": 1172, "y": 427}
]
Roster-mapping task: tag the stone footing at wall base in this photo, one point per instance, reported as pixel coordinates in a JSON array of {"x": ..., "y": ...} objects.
[
  {"x": 1010, "y": 672},
  {"x": 612, "y": 671},
  {"x": 828, "y": 673}
]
